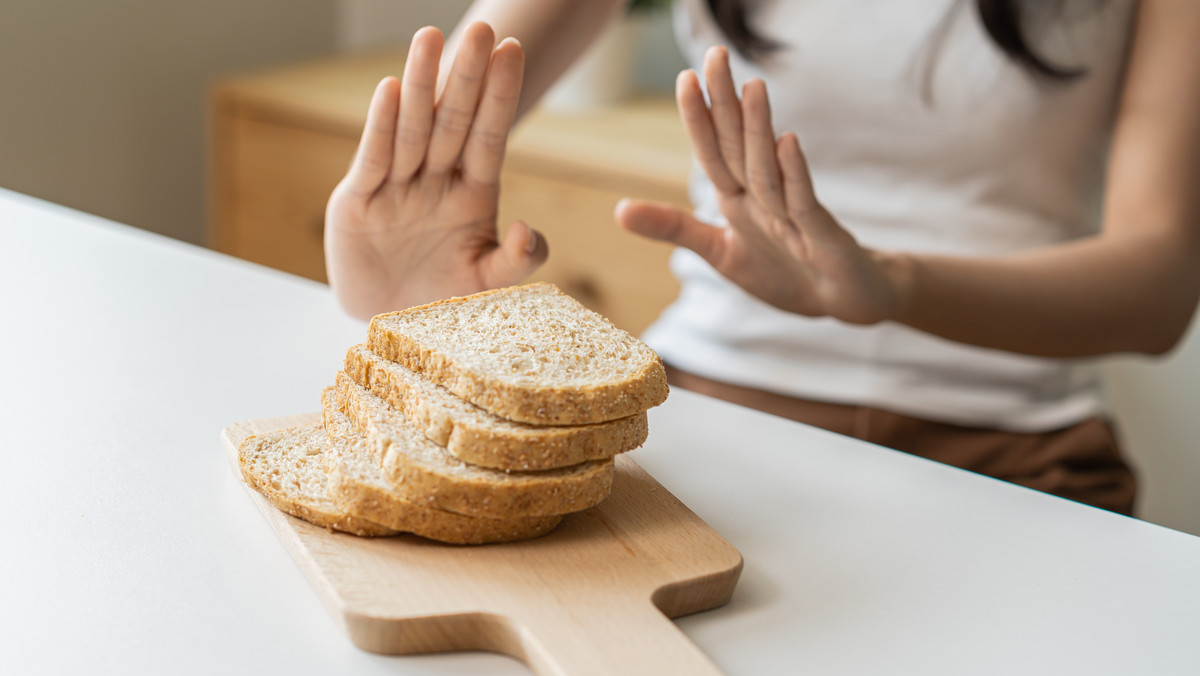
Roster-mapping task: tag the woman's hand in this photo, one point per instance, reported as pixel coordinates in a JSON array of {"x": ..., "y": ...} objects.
[
  {"x": 414, "y": 220},
  {"x": 781, "y": 246}
]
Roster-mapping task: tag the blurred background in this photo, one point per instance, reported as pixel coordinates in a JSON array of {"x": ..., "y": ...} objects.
[
  {"x": 108, "y": 107},
  {"x": 104, "y": 103}
]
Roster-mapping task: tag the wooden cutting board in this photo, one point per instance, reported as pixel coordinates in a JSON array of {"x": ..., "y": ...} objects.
[{"x": 592, "y": 597}]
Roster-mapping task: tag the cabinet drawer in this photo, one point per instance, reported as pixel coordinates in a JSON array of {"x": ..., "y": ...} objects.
[
  {"x": 272, "y": 201},
  {"x": 622, "y": 276}
]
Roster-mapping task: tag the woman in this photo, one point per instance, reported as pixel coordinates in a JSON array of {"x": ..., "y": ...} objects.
[{"x": 924, "y": 274}]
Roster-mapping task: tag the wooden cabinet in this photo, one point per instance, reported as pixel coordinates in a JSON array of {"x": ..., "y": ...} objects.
[{"x": 280, "y": 141}]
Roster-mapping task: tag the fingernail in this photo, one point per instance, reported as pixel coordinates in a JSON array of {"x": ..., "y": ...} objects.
[{"x": 531, "y": 245}]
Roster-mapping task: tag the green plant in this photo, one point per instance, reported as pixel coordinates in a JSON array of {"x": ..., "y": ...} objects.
[{"x": 648, "y": 5}]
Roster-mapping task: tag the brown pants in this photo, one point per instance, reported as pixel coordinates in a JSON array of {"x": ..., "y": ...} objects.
[{"x": 1080, "y": 462}]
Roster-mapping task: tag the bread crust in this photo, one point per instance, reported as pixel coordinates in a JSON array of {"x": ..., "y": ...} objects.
[
  {"x": 365, "y": 495},
  {"x": 323, "y": 513},
  {"x": 549, "y": 404},
  {"x": 384, "y": 507},
  {"x": 482, "y": 438},
  {"x": 426, "y": 474}
]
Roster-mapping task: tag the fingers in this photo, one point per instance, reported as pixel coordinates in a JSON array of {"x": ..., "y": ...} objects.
[
  {"x": 670, "y": 224},
  {"x": 374, "y": 157},
  {"x": 417, "y": 92},
  {"x": 483, "y": 153},
  {"x": 521, "y": 252},
  {"x": 726, "y": 111},
  {"x": 797, "y": 184},
  {"x": 699, "y": 125},
  {"x": 762, "y": 169},
  {"x": 456, "y": 108},
  {"x": 806, "y": 212}
]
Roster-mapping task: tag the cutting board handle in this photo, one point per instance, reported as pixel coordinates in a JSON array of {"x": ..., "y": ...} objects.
[{"x": 603, "y": 639}]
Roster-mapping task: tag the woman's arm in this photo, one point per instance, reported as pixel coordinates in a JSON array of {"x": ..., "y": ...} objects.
[
  {"x": 1134, "y": 287},
  {"x": 553, "y": 34}
]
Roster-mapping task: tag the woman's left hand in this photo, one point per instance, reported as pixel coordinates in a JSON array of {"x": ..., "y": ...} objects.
[{"x": 782, "y": 245}]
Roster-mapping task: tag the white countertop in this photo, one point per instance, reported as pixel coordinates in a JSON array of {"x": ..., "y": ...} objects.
[{"x": 131, "y": 547}]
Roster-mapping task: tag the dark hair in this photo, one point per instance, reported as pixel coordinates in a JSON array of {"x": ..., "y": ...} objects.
[{"x": 1001, "y": 19}]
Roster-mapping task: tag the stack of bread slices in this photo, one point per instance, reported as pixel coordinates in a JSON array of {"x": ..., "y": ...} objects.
[{"x": 471, "y": 420}]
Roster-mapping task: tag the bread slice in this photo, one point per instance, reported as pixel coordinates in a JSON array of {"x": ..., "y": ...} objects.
[
  {"x": 473, "y": 435},
  {"x": 357, "y": 486},
  {"x": 287, "y": 467},
  {"x": 423, "y": 472},
  {"x": 527, "y": 353}
]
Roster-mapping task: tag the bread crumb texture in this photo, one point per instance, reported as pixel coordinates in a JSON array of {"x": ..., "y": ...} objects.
[
  {"x": 528, "y": 353},
  {"x": 357, "y": 485},
  {"x": 421, "y": 471},
  {"x": 287, "y": 467},
  {"x": 476, "y": 436}
]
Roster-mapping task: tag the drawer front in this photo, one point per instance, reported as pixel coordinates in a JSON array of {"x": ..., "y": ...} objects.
[
  {"x": 622, "y": 276},
  {"x": 272, "y": 204}
]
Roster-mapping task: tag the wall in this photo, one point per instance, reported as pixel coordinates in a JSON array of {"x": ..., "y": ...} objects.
[
  {"x": 371, "y": 23},
  {"x": 102, "y": 104},
  {"x": 1157, "y": 405},
  {"x": 363, "y": 24}
]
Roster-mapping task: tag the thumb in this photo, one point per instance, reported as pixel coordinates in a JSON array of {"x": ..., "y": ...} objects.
[
  {"x": 669, "y": 223},
  {"x": 522, "y": 251}
]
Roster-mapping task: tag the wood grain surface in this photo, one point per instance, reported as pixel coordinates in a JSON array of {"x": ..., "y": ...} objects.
[{"x": 592, "y": 597}]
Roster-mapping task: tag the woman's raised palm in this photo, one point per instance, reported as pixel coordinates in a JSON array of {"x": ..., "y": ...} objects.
[{"x": 414, "y": 219}]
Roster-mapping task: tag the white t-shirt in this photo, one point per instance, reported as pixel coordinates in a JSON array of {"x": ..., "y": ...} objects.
[{"x": 920, "y": 136}]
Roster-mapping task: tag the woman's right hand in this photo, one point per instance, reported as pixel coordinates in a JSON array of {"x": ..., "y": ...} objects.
[{"x": 414, "y": 220}]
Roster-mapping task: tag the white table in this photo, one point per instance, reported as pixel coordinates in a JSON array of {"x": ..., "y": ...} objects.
[{"x": 130, "y": 547}]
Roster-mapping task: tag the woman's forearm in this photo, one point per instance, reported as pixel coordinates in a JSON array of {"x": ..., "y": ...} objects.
[
  {"x": 553, "y": 33},
  {"x": 1090, "y": 297},
  {"x": 1133, "y": 288}
]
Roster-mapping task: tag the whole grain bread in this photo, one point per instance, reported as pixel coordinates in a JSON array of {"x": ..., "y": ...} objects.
[
  {"x": 527, "y": 353},
  {"x": 476, "y": 436},
  {"x": 287, "y": 467},
  {"x": 423, "y": 472},
  {"x": 356, "y": 485}
]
